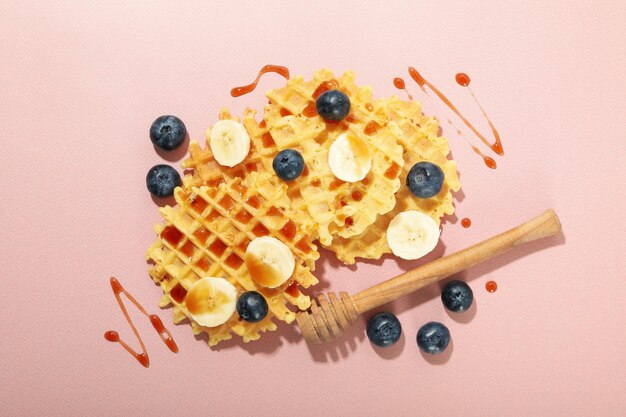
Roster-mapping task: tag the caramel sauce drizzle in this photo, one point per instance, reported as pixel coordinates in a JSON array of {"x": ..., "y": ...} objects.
[
  {"x": 240, "y": 91},
  {"x": 113, "y": 336},
  {"x": 463, "y": 80}
]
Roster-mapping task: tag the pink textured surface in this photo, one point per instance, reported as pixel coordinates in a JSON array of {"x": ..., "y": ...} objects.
[{"x": 80, "y": 84}]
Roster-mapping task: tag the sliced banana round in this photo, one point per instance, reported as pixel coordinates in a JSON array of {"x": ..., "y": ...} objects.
[
  {"x": 230, "y": 142},
  {"x": 211, "y": 301},
  {"x": 412, "y": 234},
  {"x": 269, "y": 261},
  {"x": 349, "y": 157}
]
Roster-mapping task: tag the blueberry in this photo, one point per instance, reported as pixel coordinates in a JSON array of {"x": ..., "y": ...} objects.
[
  {"x": 288, "y": 164},
  {"x": 433, "y": 338},
  {"x": 384, "y": 329},
  {"x": 168, "y": 132},
  {"x": 333, "y": 105},
  {"x": 252, "y": 307},
  {"x": 161, "y": 180},
  {"x": 457, "y": 296},
  {"x": 425, "y": 179}
]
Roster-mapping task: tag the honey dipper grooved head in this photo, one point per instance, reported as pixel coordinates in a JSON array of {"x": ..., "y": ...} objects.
[{"x": 327, "y": 320}]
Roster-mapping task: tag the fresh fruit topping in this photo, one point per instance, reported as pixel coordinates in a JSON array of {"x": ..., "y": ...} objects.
[
  {"x": 288, "y": 164},
  {"x": 252, "y": 307},
  {"x": 269, "y": 261},
  {"x": 425, "y": 179},
  {"x": 230, "y": 142},
  {"x": 349, "y": 158},
  {"x": 168, "y": 132},
  {"x": 161, "y": 180},
  {"x": 457, "y": 296},
  {"x": 412, "y": 234},
  {"x": 211, "y": 301},
  {"x": 433, "y": 338},
  {"x": 384, "y": 329},
  {"x": 333, "y": 105}
]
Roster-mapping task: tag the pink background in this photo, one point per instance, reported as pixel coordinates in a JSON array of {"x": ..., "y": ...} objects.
[{"x": 80, "y": 84}]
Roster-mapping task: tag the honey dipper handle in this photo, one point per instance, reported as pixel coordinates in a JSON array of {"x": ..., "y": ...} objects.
[{"x": 546, "y": 224}]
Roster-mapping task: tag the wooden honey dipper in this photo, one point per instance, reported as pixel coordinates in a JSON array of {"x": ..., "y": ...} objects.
[{"x": 330, "y": 318}]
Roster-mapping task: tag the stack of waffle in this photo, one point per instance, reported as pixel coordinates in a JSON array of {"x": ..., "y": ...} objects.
[{"x": 222, "y": 209}]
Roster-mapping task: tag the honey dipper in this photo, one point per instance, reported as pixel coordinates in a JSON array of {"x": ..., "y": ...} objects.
[{"x": 331, "y": 317}]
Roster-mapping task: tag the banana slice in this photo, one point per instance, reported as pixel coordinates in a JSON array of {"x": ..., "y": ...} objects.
[
  {"x": 349, "y": 157},
  {"x": 269, "y": 261},
  {"x": 412, "y": 234},
  {"x": 211, "y": 301},
  {"x": 230, "y": 142}
]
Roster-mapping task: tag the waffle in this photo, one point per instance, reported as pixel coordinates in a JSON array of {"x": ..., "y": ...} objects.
[
  {"x": 207, "y": 233},
  {"x": 205, "y": 170},
  {"x": 421, "y": 142},
  {"x": 290, "y": 121}
]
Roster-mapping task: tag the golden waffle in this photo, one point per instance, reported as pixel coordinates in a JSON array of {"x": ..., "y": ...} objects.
[
  {"x": 207, "y": 171},
  {"x": 421, "y": 142},
  {"x": 291, "y": 121},
  {"x": 207, "y": 235}
]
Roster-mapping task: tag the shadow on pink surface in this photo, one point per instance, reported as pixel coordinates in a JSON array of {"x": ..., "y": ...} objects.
[
  {"x": 268, "y": 344},
  {"x": 339, "y": 348},
  {"x": 442, "y": 358},
  {"x": 177, "y": 154},
  {"x": 392, "y": 351},
  {"x": 514, "y": 255}
]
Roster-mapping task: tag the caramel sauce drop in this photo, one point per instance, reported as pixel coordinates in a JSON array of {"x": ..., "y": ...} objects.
[
  {"x": 289, "y": 230},
  {"x": 217, "y": 248},
  {"x": 303, "y": 245},
  {"x": 273, "y": 211},
  {"x": 335, "y": 184},
  {"x": 239, "y": 91},
  {"x": 325, "y": 86},
  {"x": 267, "y": 140},
  {"x": 233, "y": 261},
  {"x": 203, "y": 264},
  {"x": 310, "y": 110},
  {"x": 260, "y": 230},
  {"x": 462, "y": 79},
  {"x": 371, "y": 127},
  {"x": 400, "y": 85},
  {"x": 351, "y": 119},
  {"x": 357, "y": 196},
  {"x": 254, "y": 202},
  {"x": 171, "y": 235},
  {"x": 198, "y": 205},
  {"x": 392, "y": 171},
  {"x": 292, "y": 289},
  {"x": 113, "y": 336}
]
